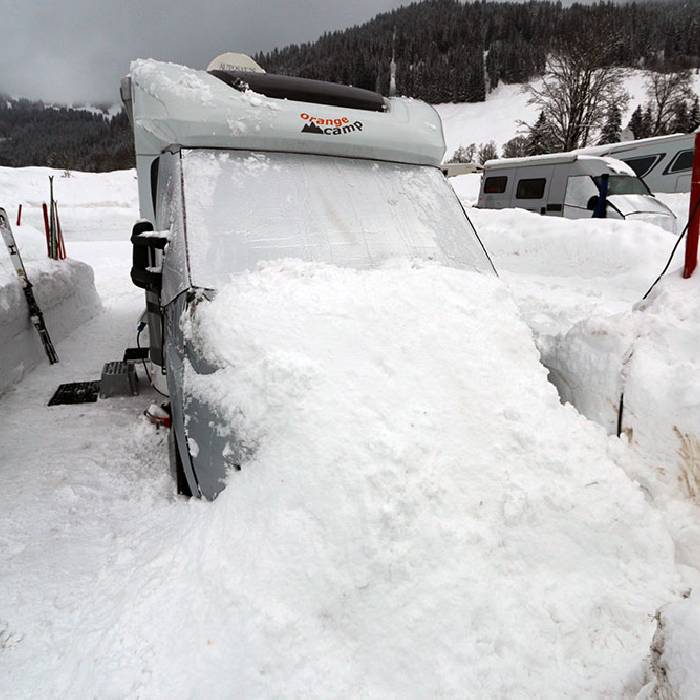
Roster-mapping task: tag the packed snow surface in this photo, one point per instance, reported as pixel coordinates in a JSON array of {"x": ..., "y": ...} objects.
[{"x": 418, "y": 514}]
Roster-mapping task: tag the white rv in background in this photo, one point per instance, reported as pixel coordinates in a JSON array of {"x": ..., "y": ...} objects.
[
  {"x": 571, "y": 185},
  {"x": 663, "y": 162}
]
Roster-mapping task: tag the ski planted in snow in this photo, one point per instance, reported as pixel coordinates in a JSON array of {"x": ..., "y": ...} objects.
[{"x": 35, "y": 315}]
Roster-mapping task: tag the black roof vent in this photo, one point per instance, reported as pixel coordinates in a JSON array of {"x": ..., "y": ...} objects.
[{"x": 304, "y": 90}]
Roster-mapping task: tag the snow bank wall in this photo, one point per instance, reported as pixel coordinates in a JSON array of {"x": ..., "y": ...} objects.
[
  {"x": 65, "y": 292},
  {"x": 675, "y": 652},
  {"x": 649, "y": 354}
]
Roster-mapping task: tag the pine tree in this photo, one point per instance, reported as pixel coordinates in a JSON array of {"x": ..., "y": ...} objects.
[
  {"x": 612, "y": 129},
  {"x": 680, "y": 123},
  {"x": 539, "y": 139},
  {"x": 694, "y": 116},
  {"x": 647, "y": 124},
  {"x": 635, "y": 124}
]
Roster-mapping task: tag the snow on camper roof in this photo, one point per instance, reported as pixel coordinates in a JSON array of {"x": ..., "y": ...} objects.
[
  {"x": 591, "y": 161},
  {"x": 175, "y": 105}
]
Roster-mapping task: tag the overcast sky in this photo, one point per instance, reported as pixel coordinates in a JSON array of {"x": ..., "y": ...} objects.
[{"x": 77, "y": 50}]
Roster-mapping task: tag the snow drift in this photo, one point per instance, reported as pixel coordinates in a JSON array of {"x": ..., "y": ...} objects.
[
  {"x": 64, "y": 290},
  {"x": 417, "y": 516},
  {"x": 649, "y": 353},
  {"x": 675, "y": 653}
]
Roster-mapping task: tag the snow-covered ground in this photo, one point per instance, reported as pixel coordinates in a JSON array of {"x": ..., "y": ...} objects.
[{"x": 420, "y": 516}]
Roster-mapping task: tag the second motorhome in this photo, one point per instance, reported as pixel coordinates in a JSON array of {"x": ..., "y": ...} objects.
[
  {"x": 571, "y": 185},
  {"x": 664, "y": 163}
]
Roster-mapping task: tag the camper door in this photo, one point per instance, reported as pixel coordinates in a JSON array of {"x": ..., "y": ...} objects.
[{"x": 579, "y": 191}]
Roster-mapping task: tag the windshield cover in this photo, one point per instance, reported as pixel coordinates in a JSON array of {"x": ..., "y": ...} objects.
[
  {"x": 243, "y": 207},
  {"x": 631, "y": 203},
  {"x": 625, "y": 184}
]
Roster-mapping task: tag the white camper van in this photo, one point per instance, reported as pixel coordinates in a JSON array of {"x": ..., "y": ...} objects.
[
  {"x": 571, "y": 185},
  {"x": 665, "y": 163},
  {"x": 237, "y": 167}
]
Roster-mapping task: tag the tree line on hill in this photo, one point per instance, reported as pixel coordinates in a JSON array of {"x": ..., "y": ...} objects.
[
  {"x": 32, "y": 133},
  {"x": 439, "y": 45}
]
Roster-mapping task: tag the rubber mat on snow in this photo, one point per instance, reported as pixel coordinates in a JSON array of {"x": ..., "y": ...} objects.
[{"x": 79, "y": 392}]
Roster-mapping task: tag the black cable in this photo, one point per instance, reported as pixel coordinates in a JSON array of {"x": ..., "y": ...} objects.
[
  {"x": 673, "y": 252},
  {"x": 141, "y": 326}
]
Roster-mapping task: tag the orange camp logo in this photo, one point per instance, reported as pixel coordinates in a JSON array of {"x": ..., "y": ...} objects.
[{"x": 329, "y": 126}]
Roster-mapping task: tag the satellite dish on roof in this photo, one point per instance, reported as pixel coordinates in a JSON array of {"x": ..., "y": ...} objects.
[{"x": 234, "y": 61}]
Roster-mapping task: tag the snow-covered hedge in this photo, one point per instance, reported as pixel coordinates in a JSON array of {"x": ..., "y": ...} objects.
[{"x": 64, "y": 290}]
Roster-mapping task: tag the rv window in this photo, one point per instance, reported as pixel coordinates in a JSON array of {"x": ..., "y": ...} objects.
[
  {"x": 643, "y": 164},
  {"x": 579, "y": 189},
  {"x": 495, "y": 185},
  {"x": 531, "y": 189},
  {"x": 682, "y": 162},
  {"x": 625, "y": 184}
]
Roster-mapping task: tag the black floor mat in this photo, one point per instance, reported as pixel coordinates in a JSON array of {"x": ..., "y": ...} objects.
[{"x": 80, "y": 392}]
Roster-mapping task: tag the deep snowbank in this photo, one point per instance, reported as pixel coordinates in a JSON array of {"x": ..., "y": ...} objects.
[
  {"x": 650, "y": 354},
  {"x": 562, "y": 271},
  {"x": 675, "y": 655},
  {"x": 64, "y": 290},
  {"x": 418, "y": 516}
]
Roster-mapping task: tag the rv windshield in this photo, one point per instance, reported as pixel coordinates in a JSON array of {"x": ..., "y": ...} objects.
[
  {"x": 244, "y": 207},
  {"x": 625, "y": 184}
]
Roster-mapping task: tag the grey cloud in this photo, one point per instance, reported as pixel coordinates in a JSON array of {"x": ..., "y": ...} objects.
[{"x": 76, "y": 50}]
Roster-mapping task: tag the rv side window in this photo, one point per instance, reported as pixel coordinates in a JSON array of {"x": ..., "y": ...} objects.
[
  {"x": 495, "y": 185},
  {"x": 579, "y": 190},
  {"x": 531, "y": 189},
  {"x": 643, "y": 164},
  {"x": 682, "y": 162}
]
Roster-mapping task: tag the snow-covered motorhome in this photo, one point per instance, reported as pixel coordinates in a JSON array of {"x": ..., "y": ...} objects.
[
  {"x": 236, "y": 168},
  {"x": 663, "y": 162},
  {"x": 571, "y": 185}
]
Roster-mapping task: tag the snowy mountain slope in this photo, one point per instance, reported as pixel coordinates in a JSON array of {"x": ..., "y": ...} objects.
[{"x": 497, "y": 118}]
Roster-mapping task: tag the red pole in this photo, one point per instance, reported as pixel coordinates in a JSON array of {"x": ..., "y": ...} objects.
[
  {"x": 691, "y": 242},
  {"x": 19, "y": 216},
  {"x": 46, "y": 228}
]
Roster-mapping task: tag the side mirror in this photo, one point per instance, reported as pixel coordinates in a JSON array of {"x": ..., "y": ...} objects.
[
  {"x": 143, "y": 270},
  {"x": 592, "y": 202}
]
